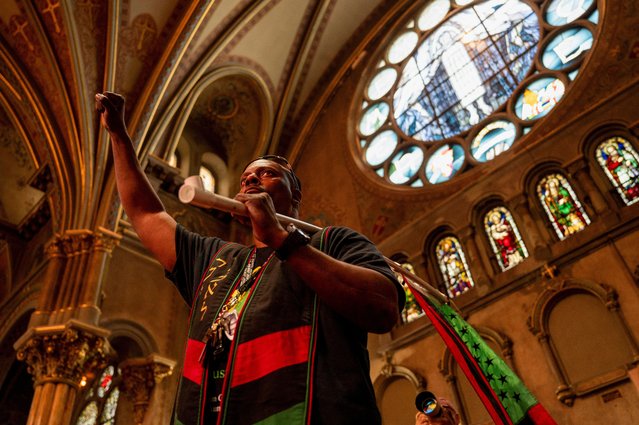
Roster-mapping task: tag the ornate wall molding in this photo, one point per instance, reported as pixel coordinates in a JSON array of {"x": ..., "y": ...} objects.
[{"x": 139, "y": 378}]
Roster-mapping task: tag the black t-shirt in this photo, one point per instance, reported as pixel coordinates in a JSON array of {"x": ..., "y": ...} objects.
[{"x": 343, "y": 392}]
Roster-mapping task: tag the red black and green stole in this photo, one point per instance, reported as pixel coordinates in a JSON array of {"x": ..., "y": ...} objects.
[{"x": 271, "y": 358}]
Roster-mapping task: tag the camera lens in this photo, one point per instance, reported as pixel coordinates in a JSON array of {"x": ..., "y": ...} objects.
[
  {"x": 427, "y": 403},
  {"x": 429, "y": 406}
]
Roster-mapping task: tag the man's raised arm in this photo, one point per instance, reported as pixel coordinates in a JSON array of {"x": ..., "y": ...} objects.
[{"x": 154, "y": 226}]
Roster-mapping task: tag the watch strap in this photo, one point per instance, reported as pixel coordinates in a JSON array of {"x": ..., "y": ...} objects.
[{"x": 295, "y": 240}]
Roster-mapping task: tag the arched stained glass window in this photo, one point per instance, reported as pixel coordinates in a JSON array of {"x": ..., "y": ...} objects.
[
  {"x": 620, "y": 162},
  {"x": 101, "y": 400},
  {"x": 562, "y": 206},
  {"x": 412, "y": 310},
  {"x": 453, "y": 266},
  {"x": 504, "y": 237},
  {"x": 174, "y": 160},
  {"x": 438, "y": 97},
  {"x": 207, "y": 179}
]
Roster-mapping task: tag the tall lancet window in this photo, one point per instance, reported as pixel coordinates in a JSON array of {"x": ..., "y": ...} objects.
[
  {"x": 207, "y": 179},
  {"x": 453, "y": 266},
  {"x": 562, "y": 206},
  {"x": 101, "y": 400},
  {"x": 620, "y": 162},
  {"x": 504, "y": 237},
  {"x": 412, "y": 310}
]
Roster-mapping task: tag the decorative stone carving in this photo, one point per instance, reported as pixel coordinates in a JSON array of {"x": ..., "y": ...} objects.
[
  {"x": 63, "y": 353},
  {"x": 139, "y": 378}
]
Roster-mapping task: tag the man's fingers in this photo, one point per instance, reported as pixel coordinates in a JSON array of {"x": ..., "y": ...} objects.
[
  {"x": 102, "y": 103},
  {"x": 108, "y": 100}
]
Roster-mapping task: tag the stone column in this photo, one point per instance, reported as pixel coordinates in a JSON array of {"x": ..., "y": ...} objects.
[
  {"x": 58, "y": 357},
  {"x": 579, "y": 170},
  {"x": 63, "y": 342},
  {"x": 529, "y": 230},
  {"x": 139, "y": 378}
]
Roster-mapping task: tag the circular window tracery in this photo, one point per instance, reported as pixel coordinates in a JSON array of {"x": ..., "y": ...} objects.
[{"x": 464, "y": 80}]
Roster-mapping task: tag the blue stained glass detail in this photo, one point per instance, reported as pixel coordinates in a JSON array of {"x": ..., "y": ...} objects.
[
  {"x": 561, "y": 12},
  {"x": 520, "y": 68},
  {"x": 494, "y": 139},
  {"x": 594, "y": 18},
  {"x": 416, "y": 118},
  {"x": 538, "y": 98},
  {"x": 566, "y": 48},
  {"x": 381, "y": 147},
  {"x": 463, "y": 76},
  {"x": 573, "y": 74},
  {"x": 445, "y": 163},
  {"x": 405, "y": 164},
  {"x": 374, "y": 118}
]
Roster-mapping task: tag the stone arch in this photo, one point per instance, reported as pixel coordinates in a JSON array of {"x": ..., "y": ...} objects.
[{"x": 540, "y": 324}]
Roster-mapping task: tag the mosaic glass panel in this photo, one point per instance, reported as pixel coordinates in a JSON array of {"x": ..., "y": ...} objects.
[
  {"x": 402, "y": 46},
  {"x": 207, "y": 179},
  {"x": 433, "y": 14},
  {"x": 452, "y": 264},
  {"x": 561, "y": 205},
  {"x": 464, "y": 69},
  {"x": 566, "y": 48},
  {"x": 106, "y": 379},
  {"x": 504, "y": 237},
  {"x": 374, "y": 118},
  {"x": 110, "y": 406},
  {"x": 89, "y": 415},
  {"x": 538, "y": 98},
  {"x": 411, "y": 310},
  {"x": 457, "y": 63},
  {"x": 405, "y": 164},
  {"x": 620, "y": 162},
  {"x": 492, "y": 140},
  {"x": 381, "y": 147},
  {"x": 381, "y": 83},
  {"x": 444, "y": 163},
  {"x": 561, "y": 12}
]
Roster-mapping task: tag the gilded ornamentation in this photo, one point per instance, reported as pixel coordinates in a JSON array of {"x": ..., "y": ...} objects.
[
  {"x": 82, "y": 241},
  {"x": 63, "y": 355},
  {"x": 139, "y": 378}
]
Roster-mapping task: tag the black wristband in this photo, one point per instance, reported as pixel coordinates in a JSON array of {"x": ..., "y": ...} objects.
[{"x": 295, "y": 240}]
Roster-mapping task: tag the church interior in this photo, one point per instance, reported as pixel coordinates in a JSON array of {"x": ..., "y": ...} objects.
[{"x": 490, "y": 147}]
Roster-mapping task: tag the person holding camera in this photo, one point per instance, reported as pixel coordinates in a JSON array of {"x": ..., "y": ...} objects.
[{"x": 432, "y": 410}]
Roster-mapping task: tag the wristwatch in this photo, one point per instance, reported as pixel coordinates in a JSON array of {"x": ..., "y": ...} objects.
[{"x": 295, "y": 240}]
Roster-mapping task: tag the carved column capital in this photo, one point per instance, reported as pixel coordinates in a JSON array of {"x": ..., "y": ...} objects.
[
  {"x": 63, "y": 353},
  {"x": 106, "y": 240},
  {"x": 139, "y": 378}
]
